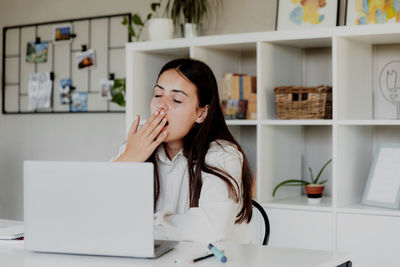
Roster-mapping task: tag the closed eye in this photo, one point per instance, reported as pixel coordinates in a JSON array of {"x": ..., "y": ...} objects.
[
  {"x": 157, "y": 95},
  {"x": 177, "y": 101}
]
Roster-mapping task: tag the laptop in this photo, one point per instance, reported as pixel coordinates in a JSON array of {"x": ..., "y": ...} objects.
[{"x": 92, "y": 208}]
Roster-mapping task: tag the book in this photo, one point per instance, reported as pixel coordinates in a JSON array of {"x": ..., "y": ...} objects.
[
  {"x": 234, "y": 109},
  {"x": 12, "y": 232}
]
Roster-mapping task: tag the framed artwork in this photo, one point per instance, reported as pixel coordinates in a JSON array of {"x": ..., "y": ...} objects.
[
  {"x": 383, "y": 185},
  {"x": 361, "y": 12},
  {"x": 296, "y": 14}
]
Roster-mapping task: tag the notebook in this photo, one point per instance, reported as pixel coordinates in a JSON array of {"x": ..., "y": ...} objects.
[{"x": 94, "y": 208}]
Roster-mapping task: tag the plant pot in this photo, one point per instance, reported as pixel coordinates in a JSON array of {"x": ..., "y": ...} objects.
[
  {"x": 314, "y": 193},
  {"x": 161, "y": 28},
  {"x": 190, "y": 30}
]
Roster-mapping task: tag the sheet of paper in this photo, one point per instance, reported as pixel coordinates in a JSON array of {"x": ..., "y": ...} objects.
[
  {"x": 11, "y": 232},
  {"x": 386, "y": 177},
  {"x": 39, "y": 90}
]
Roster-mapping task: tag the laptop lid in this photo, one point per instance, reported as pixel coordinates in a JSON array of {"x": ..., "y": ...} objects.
[{"x": 97, "y": 208}]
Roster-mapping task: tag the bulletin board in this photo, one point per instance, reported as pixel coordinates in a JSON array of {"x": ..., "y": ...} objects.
[{"x": 103, "y": 37}]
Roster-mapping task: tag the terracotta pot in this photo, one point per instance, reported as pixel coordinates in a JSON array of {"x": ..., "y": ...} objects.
[{"x": 314, "y": 193}]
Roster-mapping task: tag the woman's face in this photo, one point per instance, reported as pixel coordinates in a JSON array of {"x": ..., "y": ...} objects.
[{"x": 177, "y": 96}]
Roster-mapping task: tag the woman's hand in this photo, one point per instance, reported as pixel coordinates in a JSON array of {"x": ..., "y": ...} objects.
[{"x": 140, "y": 144}]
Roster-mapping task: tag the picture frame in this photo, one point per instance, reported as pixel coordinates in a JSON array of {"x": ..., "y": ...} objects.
[
  {"x": 292, "y": 15},
  {"x": 359, "y": 12},
  {"x": 62, "y": 34},
  {"x": 383, "y": 185}
]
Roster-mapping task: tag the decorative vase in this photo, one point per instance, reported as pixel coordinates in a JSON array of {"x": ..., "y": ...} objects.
[
  {"x": 161, "y": 28},
  {"x": 314, "y": 193},
  {"x": 190, "y": 30}
]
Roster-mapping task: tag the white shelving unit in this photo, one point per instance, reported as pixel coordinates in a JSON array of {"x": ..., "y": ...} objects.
[{"x": 281, "y": 149}]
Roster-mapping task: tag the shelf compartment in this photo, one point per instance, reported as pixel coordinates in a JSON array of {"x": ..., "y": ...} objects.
[
  {"x": 286, "y": 65},
  {"x": 356, "y": 146},
  {"x": 366, "y": 71},
  {"x": 375, "y": 236},
  {"x": 222, "y": 59},
  {"x": 286, "y": 152},
  {"x": 246, "y": 136},
  {"x": 300, "y": 229},
  {"x": 299, "y": 203}
]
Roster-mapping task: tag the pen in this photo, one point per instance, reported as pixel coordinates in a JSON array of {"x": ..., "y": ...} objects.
[
  {"x": 217, "y": 253},
  {"x": 195, "y": 258},
  {"x": 202, "y": 258}
]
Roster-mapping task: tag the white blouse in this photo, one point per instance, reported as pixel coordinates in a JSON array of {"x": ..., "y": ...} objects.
[{"x": 214, "y": 218}]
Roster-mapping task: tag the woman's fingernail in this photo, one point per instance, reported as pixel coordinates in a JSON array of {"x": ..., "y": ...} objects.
[
  {"x": 164, "y": 120},
  {"x": 164, "y": 133},
  {"x": 162, "y": 112},
  {"x": 155, "y": 112}
]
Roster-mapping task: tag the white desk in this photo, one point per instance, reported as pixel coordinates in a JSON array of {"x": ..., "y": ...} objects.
[{"x": 12, "y": 254}]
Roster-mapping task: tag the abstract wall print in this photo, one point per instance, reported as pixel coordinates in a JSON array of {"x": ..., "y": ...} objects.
[
  {"x": 361, "y": 12},
  {"x": 389, "y": 84},
  {"x": 295, "y": 14}
]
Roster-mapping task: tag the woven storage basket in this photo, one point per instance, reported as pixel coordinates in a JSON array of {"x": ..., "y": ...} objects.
[{"x": 294, "y": 102}]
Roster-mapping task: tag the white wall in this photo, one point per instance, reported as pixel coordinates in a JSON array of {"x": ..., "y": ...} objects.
[{"x": 85, "y": 137}]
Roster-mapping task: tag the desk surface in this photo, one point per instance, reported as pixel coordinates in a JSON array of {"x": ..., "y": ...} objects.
[{"x": 12, "y": 253}]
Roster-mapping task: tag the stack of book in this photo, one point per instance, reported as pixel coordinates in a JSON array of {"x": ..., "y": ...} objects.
[{"x": 239, "y": 96}]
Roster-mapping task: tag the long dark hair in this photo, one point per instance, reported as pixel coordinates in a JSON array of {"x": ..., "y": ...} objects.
[{"x": 196, "y": 142}]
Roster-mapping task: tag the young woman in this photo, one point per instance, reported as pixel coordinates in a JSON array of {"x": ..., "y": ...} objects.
[{"x": 202, "y": 178}]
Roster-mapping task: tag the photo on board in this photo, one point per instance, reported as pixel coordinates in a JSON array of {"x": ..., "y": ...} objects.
[
  {"x": 106, "y": 87},
  {"x": 36, "y": 52},
  {"x": 62, "y": 34},
  {"x": 85, "y": 59},
  {"x": 79, "y": 102},
  {"x": 65, "y": 87}
]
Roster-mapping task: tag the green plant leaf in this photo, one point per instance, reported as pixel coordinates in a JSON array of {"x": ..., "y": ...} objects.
[
  {"x": 124, "y": 20},
  {"x": 311, "y": 175},
  {"x": 322, "y": 169},
  {"x": 154, "y": 6},
  {"x": 149, "y": 16},
  {"x": 131, "y": 31},
  {"x": 137, "y": 20},
  {"x": 292, "y": 182},
  {"x": 118, "y": 99},
  {"x": 324, "y": 181}
]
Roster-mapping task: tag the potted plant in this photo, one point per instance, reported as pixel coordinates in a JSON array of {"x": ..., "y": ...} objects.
[
  {"x": 118, "y": 92},
  {"x": 189, "y": 14},
  {"x": 314, "y": 188},
  {"x": 158, "y": 28}
]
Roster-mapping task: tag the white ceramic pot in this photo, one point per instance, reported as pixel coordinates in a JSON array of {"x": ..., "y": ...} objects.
[{"x": 161, "y": 28}]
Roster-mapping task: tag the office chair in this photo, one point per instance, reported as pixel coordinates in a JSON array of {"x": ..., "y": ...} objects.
[{"x": 266, "y": 221}]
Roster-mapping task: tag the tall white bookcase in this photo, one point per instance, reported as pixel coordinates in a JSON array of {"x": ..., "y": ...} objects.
[{"x": 282, "y": 149}]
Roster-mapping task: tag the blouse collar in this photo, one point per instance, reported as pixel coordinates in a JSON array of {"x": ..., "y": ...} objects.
[{"x": 163, "y": 157}]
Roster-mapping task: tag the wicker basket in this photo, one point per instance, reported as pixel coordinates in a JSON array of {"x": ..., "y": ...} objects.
[{"x": 294, "y": 102}]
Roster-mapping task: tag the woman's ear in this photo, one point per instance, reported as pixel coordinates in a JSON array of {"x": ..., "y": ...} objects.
[{"x": 203, "y": 114}]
